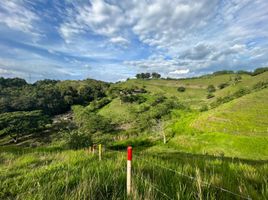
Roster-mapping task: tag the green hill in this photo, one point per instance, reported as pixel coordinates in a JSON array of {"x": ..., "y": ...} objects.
[{"x": 246, "y": 115}]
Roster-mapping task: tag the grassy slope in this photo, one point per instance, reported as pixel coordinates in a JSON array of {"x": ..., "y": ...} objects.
[
  {"x": 246, "y": 82},
  {"x": 188, "y": 139},
  {"x": 117, "y": 112},
  {"x": 247, "y": 115}
]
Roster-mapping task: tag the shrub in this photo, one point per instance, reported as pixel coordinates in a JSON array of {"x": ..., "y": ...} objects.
[
  {"x": 90, "y": 122},
  {"x": 210, "y": 95},
  {"x": 260, "y": 85},
  {"x": 133, "y": 98},
  {"x": 223, "y": 85},
  {"x": 211, "y": 88},
  {"x": 181, "y": 89},
  {"x": 204, "y": 108},
  {"x": 95, "y": 105},
  {"x": 77, "y": 140}
]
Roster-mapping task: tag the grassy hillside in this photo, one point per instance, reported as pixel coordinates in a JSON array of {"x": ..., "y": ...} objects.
[
  {"x": 246, "y": 115},
  {"x": 246, "y": 82}
]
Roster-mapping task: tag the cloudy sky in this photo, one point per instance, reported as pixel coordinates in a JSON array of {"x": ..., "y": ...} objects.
[{"x": 114, "y": 39}]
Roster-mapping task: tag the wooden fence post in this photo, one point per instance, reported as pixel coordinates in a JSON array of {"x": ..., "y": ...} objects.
[
  {"x": 100, "y": 151},
  {"x": 129, "y": 159}
]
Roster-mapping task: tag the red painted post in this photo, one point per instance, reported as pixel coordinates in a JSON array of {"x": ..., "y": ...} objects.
[{"x": 129, "y": 159}]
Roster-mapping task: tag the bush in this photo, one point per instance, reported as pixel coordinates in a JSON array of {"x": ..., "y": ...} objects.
[
  {"x": 95, "y": 105},
  {"x": 204, "y": 108},
  {"x": 211, "y": 88},
  {"x": 78, "y": 140},
  {"x": 90, "y": 122},
  {"x": 223, "y": 85},
  {"x": 133, "y": 98},
  {"x": 210, "y": 95},
  {"x": 260, "y": 85},
  {"x": 181, "y": 89}
]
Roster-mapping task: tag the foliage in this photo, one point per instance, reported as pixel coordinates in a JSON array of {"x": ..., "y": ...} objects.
[
  {"x": 210, "y": 95},
  {"x": 133, "y": 98},
  {"x": 53, "y": 97},
  {"x": 181, "y": 89},
  {"x": 223, "y": 72},
  {"x": 260, "y": 85},
  {"x": 148, "y": 118},
  {"x": 12, "y": 82},
  {"x": 77, "y": 139},
  {"x": 143, "y": 76},
  {"x": 239, "y": 93},
  {"x": 223, "y": 85},
  {"x": 243, "y": 72},
  {"x": 156, "y": 75},
  {"x": 17, "y": 124},
  {"x": 147, "y": 75},
  {"x": 90, "y": 122},
  {"x": 204, "y": 108},
  {"x": 259, "y": 71},
  {"x": 211, "y": 88},
  {"x": 98, "y": 104}
]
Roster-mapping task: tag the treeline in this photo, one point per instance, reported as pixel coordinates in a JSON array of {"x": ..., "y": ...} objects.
[
  {"x": 147, "y": 75},
  {"x": 50, "y": 96},
  {"x": 254, "y": 73}
]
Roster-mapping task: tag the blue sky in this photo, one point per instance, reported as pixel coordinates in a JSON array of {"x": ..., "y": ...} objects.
[{"x": 112, "y": 40}]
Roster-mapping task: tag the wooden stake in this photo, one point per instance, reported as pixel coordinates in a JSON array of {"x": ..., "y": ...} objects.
[{"x": 100, "y": 152}]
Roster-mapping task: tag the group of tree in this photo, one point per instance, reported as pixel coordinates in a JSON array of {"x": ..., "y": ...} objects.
[
  {"x": 53, "y": 97},
  {"x": 18, "y": 124},
  {"x": 147, "y": 75},
  {"x": 252, "y": 73}
]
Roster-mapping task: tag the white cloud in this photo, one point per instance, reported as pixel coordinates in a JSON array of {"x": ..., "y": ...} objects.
[
  {"x": 180, "y": 71},
  {"x": 17, "y": 16},
  {"x": 119, "y": 40}
]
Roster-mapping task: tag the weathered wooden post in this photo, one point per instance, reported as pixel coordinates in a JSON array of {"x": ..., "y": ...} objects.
[
  {"x": 100, "y": 151},
  {"x": 129, "y": 159}
]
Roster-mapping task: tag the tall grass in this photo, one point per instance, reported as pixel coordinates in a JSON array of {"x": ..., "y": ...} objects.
[{"x": 71, "y": 174}]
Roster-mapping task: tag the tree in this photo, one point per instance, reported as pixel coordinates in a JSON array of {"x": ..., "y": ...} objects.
[
  {"x": 90, "y": 122},
  {"x": 77, "y": 140},
  {"x": 211, "y": 88},
  {"x": 143, "y": 76},
  {"x": 156, "y": 75},
  {"x": 17, "y": 124}
]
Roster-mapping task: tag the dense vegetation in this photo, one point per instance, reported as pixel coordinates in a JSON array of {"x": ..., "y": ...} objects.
[
  {"x": 198, "y": 138},
  {"x": 53, "y": 97}
]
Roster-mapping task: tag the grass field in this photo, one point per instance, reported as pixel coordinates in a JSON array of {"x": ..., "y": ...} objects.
[{"x": 66, "y": 174}]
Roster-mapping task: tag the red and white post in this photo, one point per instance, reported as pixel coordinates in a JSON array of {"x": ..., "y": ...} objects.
[{"x": 129, "y": 159}]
